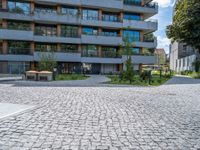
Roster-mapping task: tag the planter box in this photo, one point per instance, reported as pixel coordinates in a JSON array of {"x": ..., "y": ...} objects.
[
  {"x": 31, "y": 75},
  {"x": 45, "y": 76}
]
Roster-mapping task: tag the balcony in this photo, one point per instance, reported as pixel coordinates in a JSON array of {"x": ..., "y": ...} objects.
[
  {"x": 146, "y": 26},
  {"x": 56, "y": 39},
  {"x": 101, "y": 40},
  {"x": 101, "y": 60},
  {"x": 146, "y": 43},
  {"x": 111, "y": 4},
  {"x": 5, "y": 14},
  {"x": 15, "y": 57},
  {"x": 140, "y": 59},
  {"x": 60, "y": 56},
  {"x": 65, "y": 2},
  {"x": 8, "y": 34},
  {"x": 149, "y": 9},
  {"x": 56, "y": 18}
]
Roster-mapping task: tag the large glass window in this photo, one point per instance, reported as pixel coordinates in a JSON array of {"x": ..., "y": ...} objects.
[
  {"x": 1, "y": 6},
  {"x": 69, "y": 31},
  {"x": 130, "y": 16},
  {"x": 90, "y": 14},
  {"x": 110, "y": 17},
  {"x": 90, "y": 31},
  {"x": 19, "y": 7},
  {"x": 1, "y": 47},
  {"x": 109, "y": 32},
  {"x": 110, "y": 52},
  {"x": 69, "y": 48},
  {"x": 45, "y": 47},
  {"x": 15, "y": 25},
  {"x": 46, "y": 30},
  {"x": 133, "y": 2},
  {"x": 18, "y": 47},
  {"x": 131, "y": 35},
  {"x": 89, "y": 51},
  {"x": 135, "y": 50},
  {"x": 69, "y": 11},
  {"x": 45, "y": 9}
]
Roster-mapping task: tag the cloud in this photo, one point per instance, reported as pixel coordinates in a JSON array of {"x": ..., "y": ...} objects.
[
  {"x": 163, "y": 42},
  {"x": 165, "y": 3}
]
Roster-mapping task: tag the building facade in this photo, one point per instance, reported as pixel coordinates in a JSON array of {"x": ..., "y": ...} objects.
[
  {"x": 161, "y": 56},
  {"x": 181, "y": 56},
  {"x": 80, "y": 33}
]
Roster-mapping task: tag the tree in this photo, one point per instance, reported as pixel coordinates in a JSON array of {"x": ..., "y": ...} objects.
[
  {"x": 128, "y": 74},
  {"x": 47, "y": 61},
  {"x": 186, "y": 24}
]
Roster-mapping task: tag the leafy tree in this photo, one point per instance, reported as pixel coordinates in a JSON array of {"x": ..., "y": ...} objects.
[
  {"x": 186, "y": 24},
  {"x": 128, "y": 74},
  {"x": 47, "y": 61}
]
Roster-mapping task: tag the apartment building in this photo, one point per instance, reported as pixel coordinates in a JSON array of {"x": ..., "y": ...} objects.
[
  {"x": 181, "y": 55},
  {"x": 80, "y": 33}
]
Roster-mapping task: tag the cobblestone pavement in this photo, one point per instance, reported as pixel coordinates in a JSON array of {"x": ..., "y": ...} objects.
[{"x": 115, "y": 118}]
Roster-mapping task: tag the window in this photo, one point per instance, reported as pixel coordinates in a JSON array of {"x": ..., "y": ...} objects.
[
  {"x": 90, "y": 14},
  {"x": 131, "y": 35},
  {"x": 18, "y": 47},
  {"x": 45, "y": 9},
  {"x": 89, "y": 51},
  {"x": 19, "y": 25},
  {"x": 1, "y": 6},
  {"x": 19, "y": 7},
  {"x": 45, "y": 47},
  {"x": 109, "y": 52},
  {"x": 66, "y": 48},
  {"x": 1, "y": 47},
  {"x": 133, "y": 2},
  {"x": 135, "y": 50},
  {"x": 90, "y": 31},
  {"x": 109, "y": 33},
  {"x": 110, "y": 17},
  {"x": 69, "y": 11},
  {"x": 129, "y": 16},
  {"x": 69, "y": 31},
  {"x": 46, "y": 30}
]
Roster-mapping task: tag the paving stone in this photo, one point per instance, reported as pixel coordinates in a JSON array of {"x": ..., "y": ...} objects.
[{"x": 103, "y": 117}]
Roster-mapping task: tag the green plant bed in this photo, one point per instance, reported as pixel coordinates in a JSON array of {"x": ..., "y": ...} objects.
[
  {"x": 62, "y": 77},
  {"x": 194, "y": 75},
  {"x": 155, "y": 80}
]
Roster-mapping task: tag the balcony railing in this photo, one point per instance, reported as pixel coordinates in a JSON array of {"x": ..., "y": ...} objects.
[
  {"x": 135, "y": 3},
  {"x": 110, "y": 54},
  {"x": 19, "y": 51}
]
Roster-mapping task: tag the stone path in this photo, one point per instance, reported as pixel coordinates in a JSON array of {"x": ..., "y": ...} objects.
[{"x": 115, "y": 118}]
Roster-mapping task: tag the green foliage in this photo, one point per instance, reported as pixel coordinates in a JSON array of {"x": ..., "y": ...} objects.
[
  {"x": 186, "y": 23},
  {"x": 155, "y": 80},
  {"x": 197, "y": 65},
  {"x": 128, "y": 74},
  {"x": 70, "y": 77},
  {"x": 47, "y": 62}
]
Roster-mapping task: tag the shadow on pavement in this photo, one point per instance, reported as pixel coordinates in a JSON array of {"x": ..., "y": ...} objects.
[{"x": 182, "y": 80}]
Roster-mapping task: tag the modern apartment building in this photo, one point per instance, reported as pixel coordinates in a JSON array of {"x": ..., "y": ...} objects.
[
  {"x": 181, "y": 55},
  {"x": 81, "y": 34}
]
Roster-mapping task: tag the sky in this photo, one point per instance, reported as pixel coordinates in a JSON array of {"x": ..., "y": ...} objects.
[{"x": 164, "y": 18}]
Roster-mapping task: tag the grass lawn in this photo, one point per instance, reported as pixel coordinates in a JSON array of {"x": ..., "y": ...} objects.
[
  {"x": 155, "y": 81},
  {"x": 62, "y": 77}
]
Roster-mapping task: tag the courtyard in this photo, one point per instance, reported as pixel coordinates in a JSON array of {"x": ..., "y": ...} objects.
[{"x": 95, "y": 116}]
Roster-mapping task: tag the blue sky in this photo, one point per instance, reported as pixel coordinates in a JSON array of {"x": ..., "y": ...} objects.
[{"x": 164, "y": 18}]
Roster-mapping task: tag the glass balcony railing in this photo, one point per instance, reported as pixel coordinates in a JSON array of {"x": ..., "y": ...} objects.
[{"x": 19, "y": 51}]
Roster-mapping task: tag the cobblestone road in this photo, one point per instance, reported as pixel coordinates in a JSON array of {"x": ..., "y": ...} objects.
[{"x": 115, "y": 118}]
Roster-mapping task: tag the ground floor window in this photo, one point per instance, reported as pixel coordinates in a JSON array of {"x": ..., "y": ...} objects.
[{"x": 18, "y": 67}]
